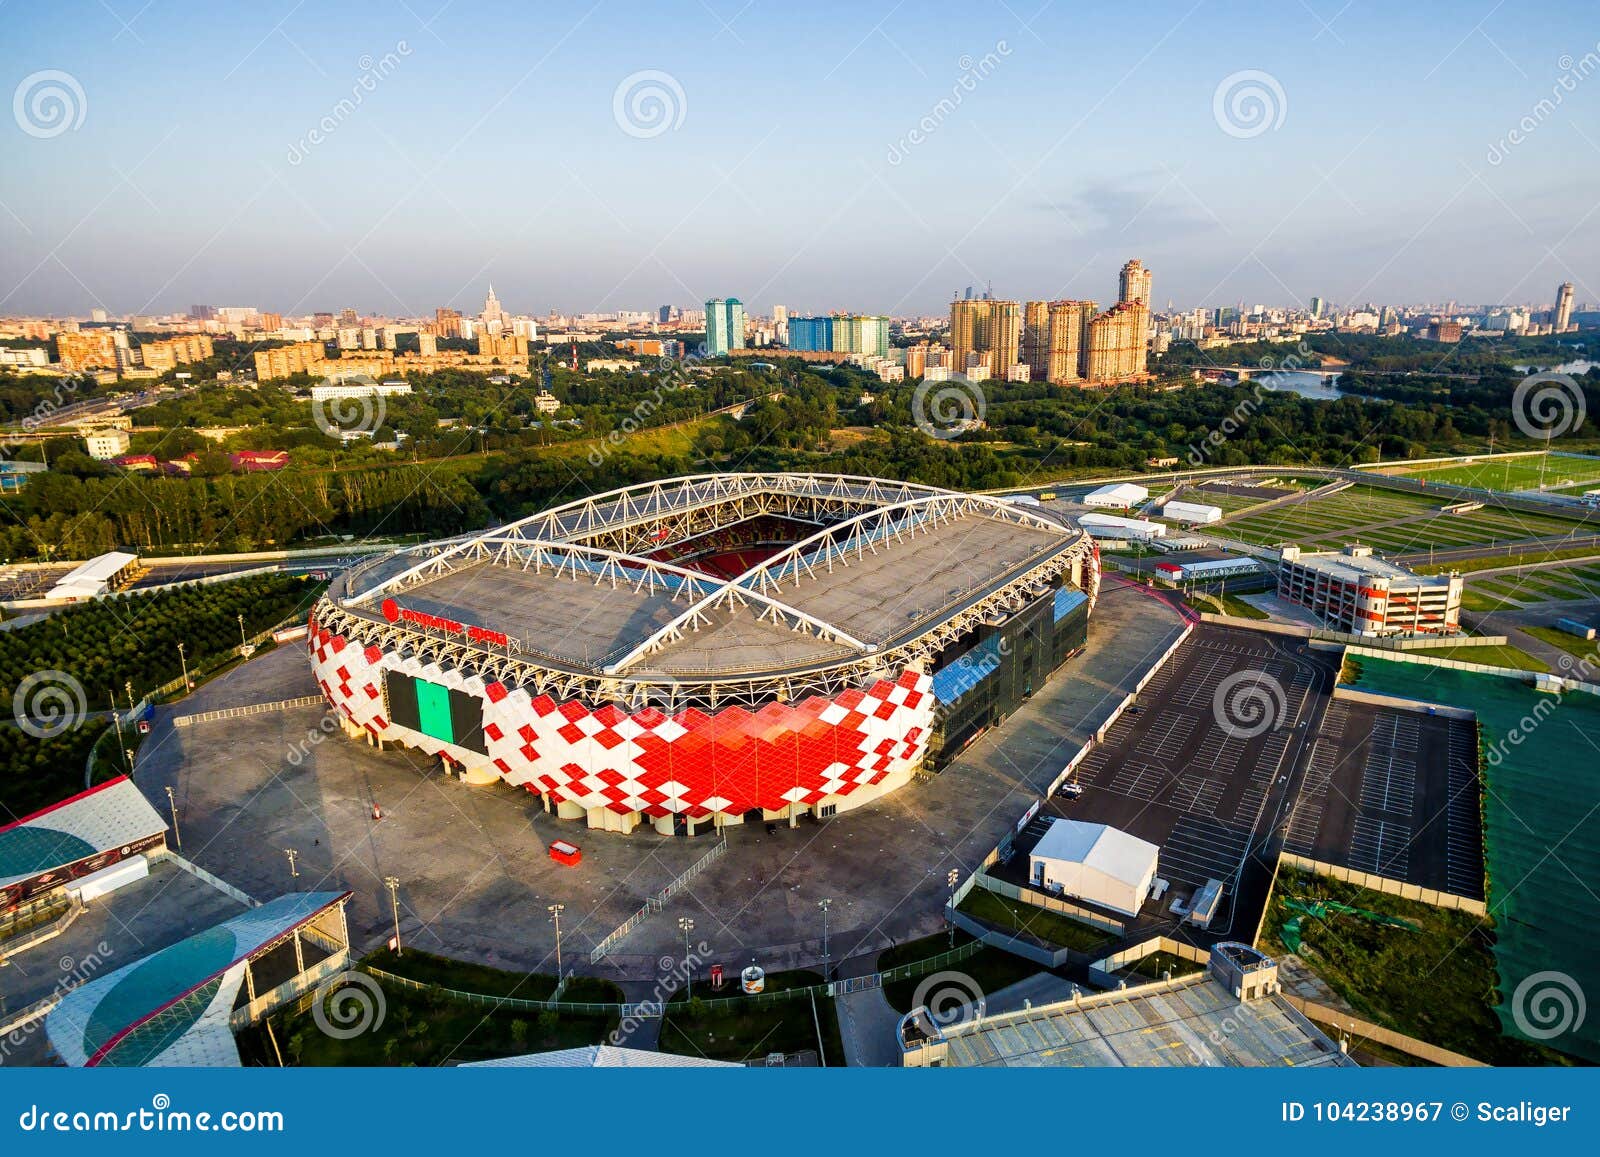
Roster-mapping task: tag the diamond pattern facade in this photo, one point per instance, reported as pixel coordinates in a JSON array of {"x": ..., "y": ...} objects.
[{"x": 811, "y": 751}]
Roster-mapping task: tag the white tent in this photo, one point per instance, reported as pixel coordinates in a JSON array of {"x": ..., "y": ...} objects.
[
  {"x": 1093, "y": 862},
  {"x": 1118, "y": 494}
]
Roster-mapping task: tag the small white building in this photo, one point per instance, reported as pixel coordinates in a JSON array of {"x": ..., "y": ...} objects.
[
  {"x": 105, "y": 445},
  {"x": 1102, "y": 865},
  {"x": 1194, "y": 512},
  {"x": 1118, "y": 495},
  {"x": 1115, "y": 526}
]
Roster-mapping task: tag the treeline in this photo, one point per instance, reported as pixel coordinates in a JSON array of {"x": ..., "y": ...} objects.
[{"x": 83, "y": 657}]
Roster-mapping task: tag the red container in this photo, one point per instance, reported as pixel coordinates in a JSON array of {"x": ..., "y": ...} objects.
[{"x": 564, "y": 853}]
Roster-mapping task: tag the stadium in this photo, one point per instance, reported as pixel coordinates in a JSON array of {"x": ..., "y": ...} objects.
[{"x": 709, "y": 650}]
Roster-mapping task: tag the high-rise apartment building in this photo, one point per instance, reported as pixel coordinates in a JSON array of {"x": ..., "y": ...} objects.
[
  {"x": 985, "y": 332},
  {"x": 290, "y": 359},
  {"x": 1563, "y": 317},
  {"x": 1116, "y": 346},
  {"x": 724, "y": 326},
  {"x": 1036, "y": 339},
  {"x": 87, "y": 349},
  {"x": 1068, "y": 341},
  {"x": 1134, "y": 285},
  {"x": 174, "y": 352},
  {"x": 811, "y": 334}
]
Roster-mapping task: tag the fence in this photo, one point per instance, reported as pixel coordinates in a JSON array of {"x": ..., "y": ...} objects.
[
  {"x": 251, "y": 709},
  {"x": 1355, "y": 1026},
  {"x": 1386, "y": 885},
  {"x": 647, "y": 1009},
  {"x": 656, "y": 901}
]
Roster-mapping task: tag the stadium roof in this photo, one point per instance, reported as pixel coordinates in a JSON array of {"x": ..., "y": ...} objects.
[
  {"x": 583, "y": 588},
  {"x": 1194, "y": 1021},
  {"x": 92, "y": 577},
  {"x": 1101, "y": 847},
  {"x": 110, "y": 815},
  {"x": 173, "y": 1007},
  {"x": 601, "y": 1057}
]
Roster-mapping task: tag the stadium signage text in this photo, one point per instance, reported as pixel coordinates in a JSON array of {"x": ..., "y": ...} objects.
[{"x": 395, "y": 613}]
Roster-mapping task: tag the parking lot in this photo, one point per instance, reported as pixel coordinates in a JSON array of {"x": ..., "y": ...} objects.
[
  {"x": 475, "y": 877},
  {"x": 1180, "y": 770},
  {"x": 1395, "y": 793}
]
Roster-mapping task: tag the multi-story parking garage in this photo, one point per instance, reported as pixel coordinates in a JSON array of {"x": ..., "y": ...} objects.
[{"x": 707, "y": 650}]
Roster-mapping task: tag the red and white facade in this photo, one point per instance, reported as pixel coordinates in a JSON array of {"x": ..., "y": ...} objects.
[
  {"x": 1360, "y": 595},
  {"x": 617, "y": 769}
]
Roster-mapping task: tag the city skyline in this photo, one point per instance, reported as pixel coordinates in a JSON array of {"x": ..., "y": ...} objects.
[{"x": 305, "y": 159}]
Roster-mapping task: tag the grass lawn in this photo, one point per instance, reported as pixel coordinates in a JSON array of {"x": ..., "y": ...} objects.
[
  {"x": 1048, "y": 927},
  {"x": 1511, "y": 657},
  {"x": 426, "y": 968},
  {"x": 986, "y": 971},
  {"x": 1153, "y": 966},
  {"x": 1437, "y": 985},
  {"x": 1475, "y": 601},
  {"x": 736, "y": 1029},
  {"x": 1226, "y": 605},
  {"x": 1571, "y": 644},
  {"x": 423, "y": 1029},
  {"x": 1502, "y": 559},
  {"x": 922, "y": 949},
  {"x": 1519, "y": 473}
]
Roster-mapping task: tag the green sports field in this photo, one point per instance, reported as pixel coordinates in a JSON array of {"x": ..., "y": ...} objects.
[
  {"x": 1521, "y": 472},
  {"x": 1394, "y": 522}
]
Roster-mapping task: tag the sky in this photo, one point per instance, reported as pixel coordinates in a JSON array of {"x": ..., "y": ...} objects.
[{"x": 399, "y": 155}]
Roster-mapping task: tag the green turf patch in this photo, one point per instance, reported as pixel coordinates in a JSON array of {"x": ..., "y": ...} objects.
[
  {"x": 743, "y": 1029},
  {"x": 1050, "y": 928}
]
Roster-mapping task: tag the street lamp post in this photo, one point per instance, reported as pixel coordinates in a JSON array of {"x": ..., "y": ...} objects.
[
  {"x": 294, "y": 872},
  {"x": 183, "y": 663},
  {"x": 555, "y": 917},
  {"x": 242, "y": 643},
  {"x": 827, "y": 961},
  {"x": 393, "y": 884},
  {"x": 172, "y": 806},
  {"x": 688, "y": 972},
  {"x": 950, "y": 878}
]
